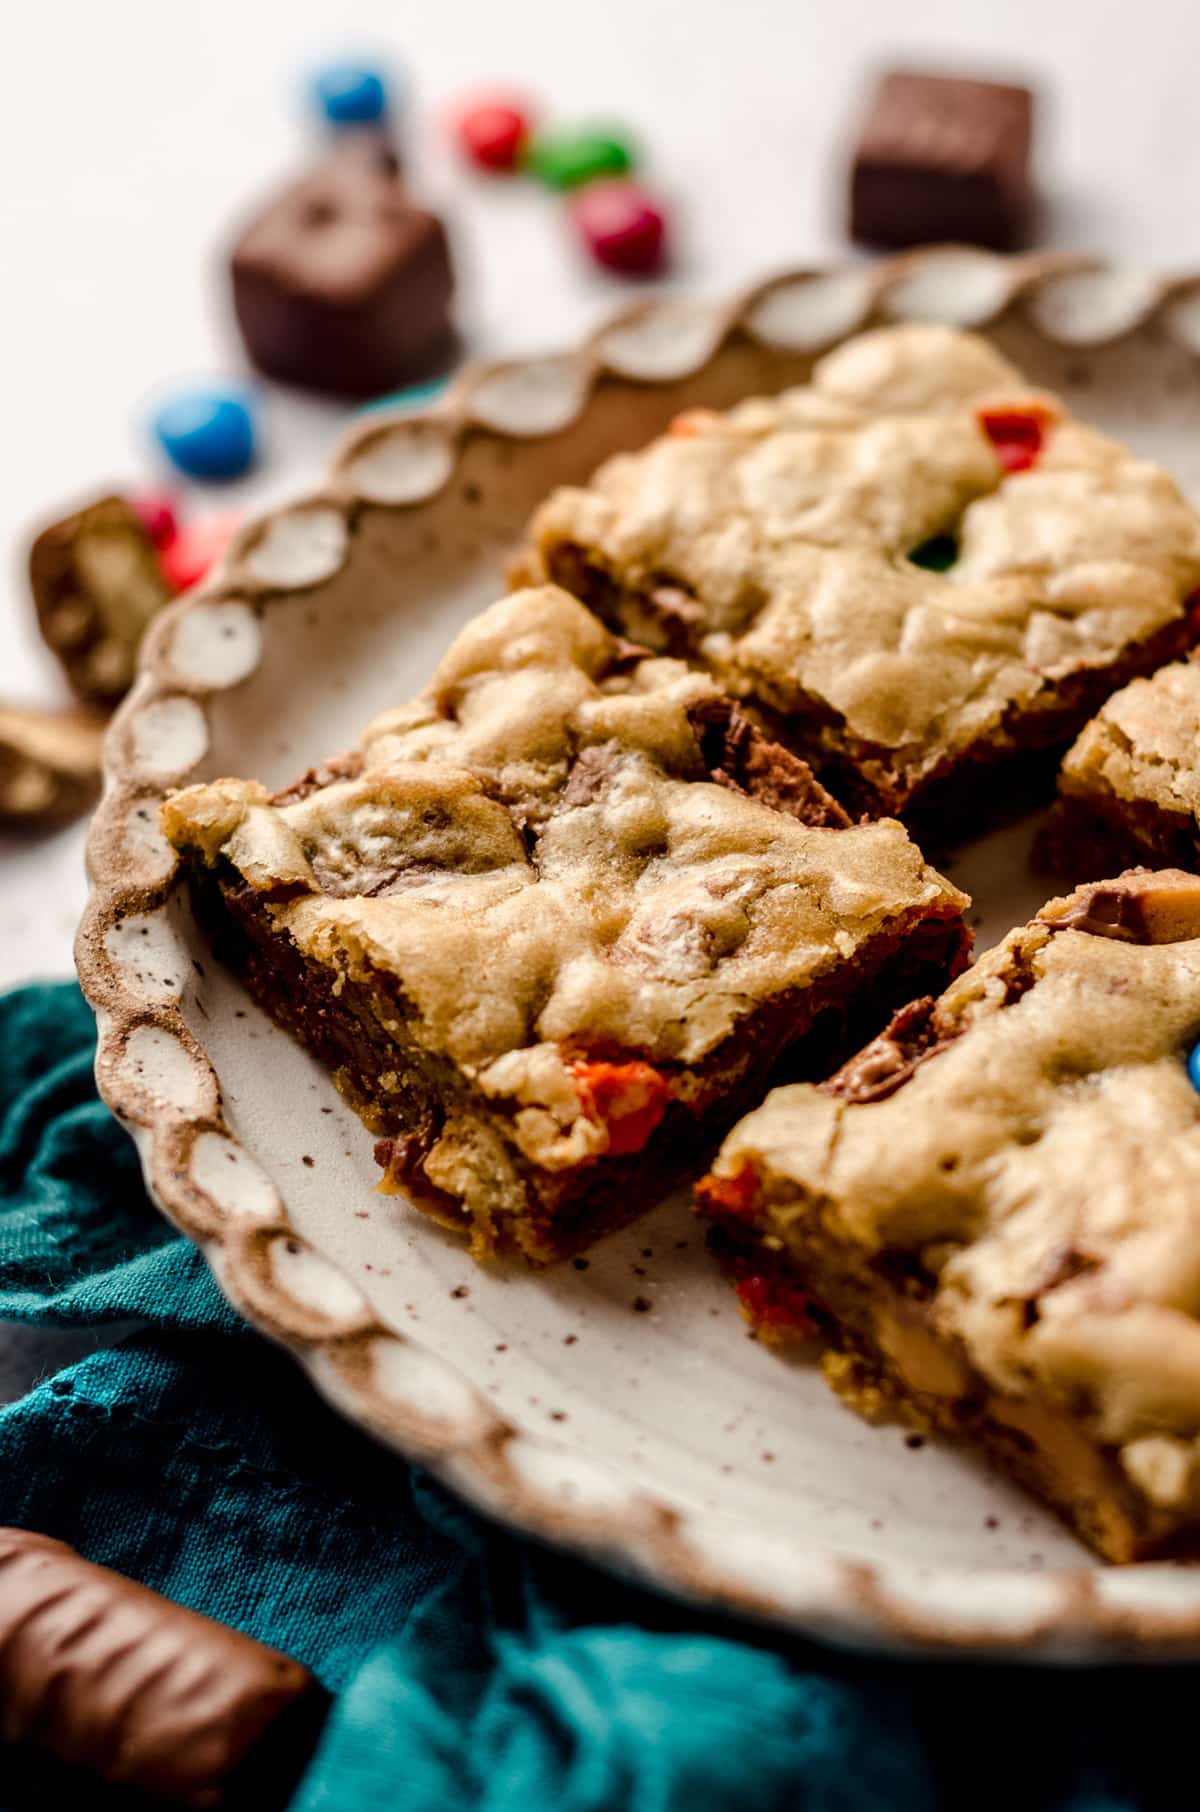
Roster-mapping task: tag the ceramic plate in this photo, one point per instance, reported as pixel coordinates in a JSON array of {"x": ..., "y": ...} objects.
[{"x": 616, "y": 1406}]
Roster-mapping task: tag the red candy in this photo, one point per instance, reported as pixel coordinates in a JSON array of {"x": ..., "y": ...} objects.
[
  {"x": 1017, "y": 435},
  {"x": 195, "y": 550},
  {"x": 155, "y": 510},
  {"x": 735, "y": 1196},
  {"x": 493, "y": 134},
  {"x": 629, "y": 1099},
  {"x": 778, "y": 1308},
  {"x": 621, "y": 227}
]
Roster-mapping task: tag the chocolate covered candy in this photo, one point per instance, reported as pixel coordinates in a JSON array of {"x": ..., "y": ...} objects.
[
  {"x": 623, "y": 229},
  {"x": 208, "y": 431},
  {"x": 493, "y": 132},
  {"x": 49, "y": 765},
  {"x": 943, "y": 158},
  {"x": 97, "y": 582},
  {"x": 111, "y": 1678},
  {"x": 157, "y": 511},
  {"x": 350, "y": 94},
  {"x": 565, "y": 160},
  {"x": 195, "y": 549},
  {"x": 344, "y": 284}
]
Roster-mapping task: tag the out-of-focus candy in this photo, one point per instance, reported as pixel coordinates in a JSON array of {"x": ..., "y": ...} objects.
[
  {"x": 49, "y": 765},
  {"x": 196, "y": 549},
  {"x": 493, "y": 133},
  {"x": 943, "y": 158},
  {"x": 622, "y": 228},
  {"x": 208, "y": 432},
  {"x": 155, "y": 510},
  {"x": 567, "y": 159},
  {"x": 96, "y": 583},
  {"x": 343, "y": 283},
  {"x": 350, "y": 94}
]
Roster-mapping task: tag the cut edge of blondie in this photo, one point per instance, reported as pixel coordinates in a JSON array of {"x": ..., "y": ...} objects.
[
  {"x": 882, "y": 1359},
  {"x": 1093, "y": 833},
  {"x": 882, "y": 1353},
  {"x": 415, "y": 1100},
  {"x": 1017, "y": 758}
]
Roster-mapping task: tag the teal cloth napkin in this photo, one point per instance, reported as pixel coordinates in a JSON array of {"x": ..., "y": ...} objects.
[{"x": 471, "y": 1670}]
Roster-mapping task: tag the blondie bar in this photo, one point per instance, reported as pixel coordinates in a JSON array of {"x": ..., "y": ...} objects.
[
  {"x": 1129, "y": 787},
  {"x": 991, "y": 1212},
  {"x": 553, "y": 924},
  {"x": 918, "y": 573}
]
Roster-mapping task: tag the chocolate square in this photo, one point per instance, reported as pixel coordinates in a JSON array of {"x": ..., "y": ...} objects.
[
  {"x": 343, "y": 284},
  {"x": 943, "y": 158}
]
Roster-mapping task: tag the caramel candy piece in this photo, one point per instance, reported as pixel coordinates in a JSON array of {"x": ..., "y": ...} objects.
[
  {"x": 1142, "y": 906},
  {"x": 110, "y": 1677},
  {"x": 943, "y": 158},
  {"x": 97, "y": 582},
  {"x": 49, "y": 764},
  {"x": 343, "y": 284}
]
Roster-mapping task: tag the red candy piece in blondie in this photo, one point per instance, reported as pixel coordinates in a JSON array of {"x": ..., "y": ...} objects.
[
  {"x": 735, "y": 1195},
  {"x": 627, "y": 1098},
  {"x": 777, "y": 1307},
  {"x": 692, "y": 422},
  {"x": 1017, "y": 435}
]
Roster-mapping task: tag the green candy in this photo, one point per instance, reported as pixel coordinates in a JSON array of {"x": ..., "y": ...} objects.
[
  {"x": 564, "y": 160},
  {"x": 937, "y": 555}
]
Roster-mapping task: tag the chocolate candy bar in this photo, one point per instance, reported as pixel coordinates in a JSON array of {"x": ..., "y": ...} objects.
[
  {"x": 941, "y": 158},
  {"x": 96, "y": 583},
  {"x": 343, "y": 284},
  {"x": 49, "y": 764},
  {"x": 110, "y": 1677}
]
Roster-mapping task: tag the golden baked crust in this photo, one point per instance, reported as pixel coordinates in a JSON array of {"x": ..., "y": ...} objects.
[
  {"x": 1145, "y": 743},
  {"x": 1030, "y": 1166},
  {"x": 533, "y": 861},
  {"x": 777, "y": 534}
]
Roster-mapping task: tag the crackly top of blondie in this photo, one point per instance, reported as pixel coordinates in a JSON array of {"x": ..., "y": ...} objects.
[
  {"x": 784, "y": 526},
  {"x": 555, "y": 849},
  {"x": 1145, "y": 743},
  {"x": 1036, "y": 1151}
]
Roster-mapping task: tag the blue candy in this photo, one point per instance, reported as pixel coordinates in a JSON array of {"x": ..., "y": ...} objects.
[
  {"x": 1193, "y": 1067},
  {"x": 207, "y": 433},
  {"x": 349, "y": 94}
]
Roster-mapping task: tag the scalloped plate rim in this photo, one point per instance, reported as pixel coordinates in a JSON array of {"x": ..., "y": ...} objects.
[{"x": 889, "y": 1607}]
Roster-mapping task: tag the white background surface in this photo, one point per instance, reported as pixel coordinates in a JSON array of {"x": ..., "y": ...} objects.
[{"x": 133, "y": 135}]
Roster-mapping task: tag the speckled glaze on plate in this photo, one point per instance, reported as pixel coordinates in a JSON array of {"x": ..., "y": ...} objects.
[{"x": 616, "y": 1405}]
